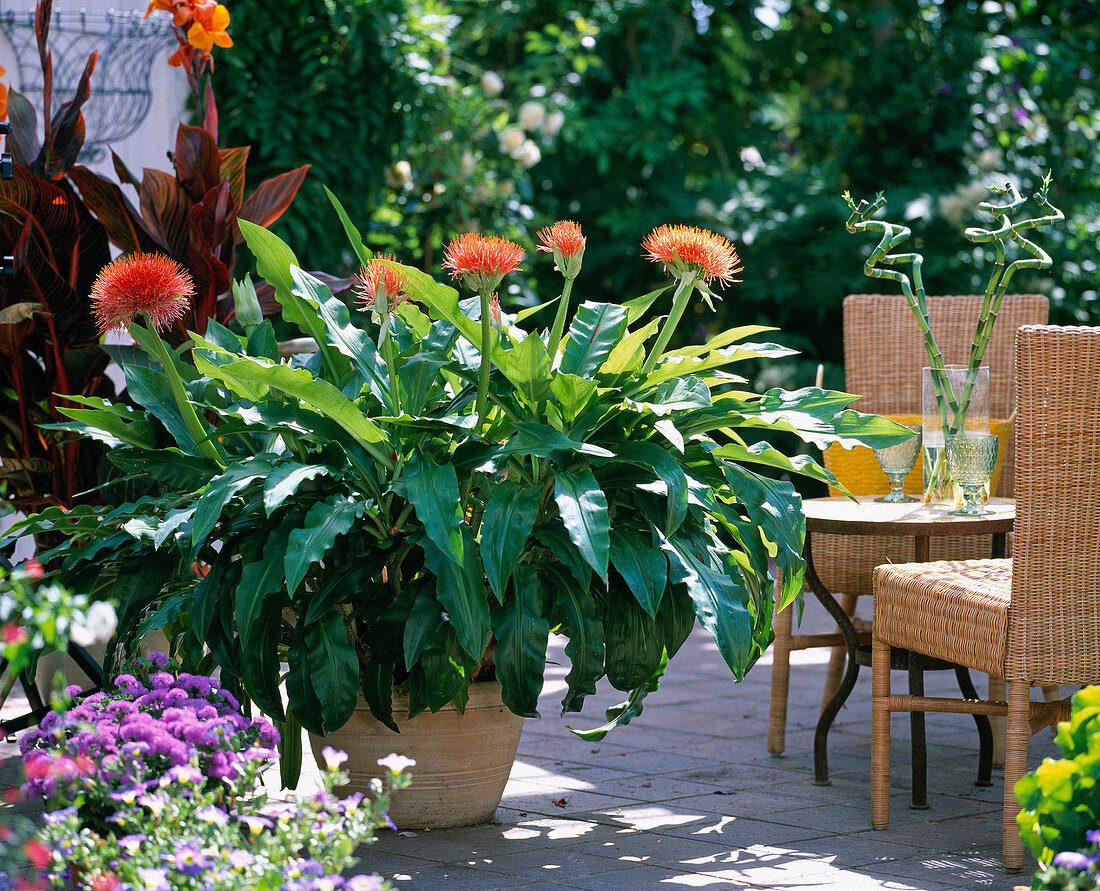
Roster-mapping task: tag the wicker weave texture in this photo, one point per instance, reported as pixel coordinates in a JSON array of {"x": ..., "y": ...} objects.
[
  {"x": 952, "y": 610},
  {"x": 1054, "y": 622}
]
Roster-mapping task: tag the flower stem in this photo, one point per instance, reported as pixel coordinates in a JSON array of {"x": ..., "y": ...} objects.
[
  {"x": 209, "y": 450},
  {"x": 559, "y": 319},
  {"x": 486, "y": 364},
  {"x": 679, "y": 304},
  {"x": 385, "y": 343}
]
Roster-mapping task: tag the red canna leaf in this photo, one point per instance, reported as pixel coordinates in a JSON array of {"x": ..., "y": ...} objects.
[
  {"x": 198, "y": 164},
  {"x": 165, "y": 206},
  {"x": 23, "y": 139},
  {"x": 271, "y": 198},
  {"x": 124, "y": 225},
  {"x": 123, "y": 172},
  {"x": 66, "y": 137},
  {"x": 233, "y": 169}
]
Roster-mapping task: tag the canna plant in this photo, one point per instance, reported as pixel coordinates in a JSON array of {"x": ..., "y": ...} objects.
[{"x": 429, "y": 495}]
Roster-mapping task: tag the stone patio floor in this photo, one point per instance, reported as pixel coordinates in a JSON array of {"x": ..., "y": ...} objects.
[{"x": 687, "y": 795}]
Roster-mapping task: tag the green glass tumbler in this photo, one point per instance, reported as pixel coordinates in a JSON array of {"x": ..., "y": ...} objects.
[
  {"x": 971, "y": 458},
  {"x": 896, "y": 461}
]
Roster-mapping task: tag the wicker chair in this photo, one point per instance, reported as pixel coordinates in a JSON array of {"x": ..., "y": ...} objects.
[
  {"x": 883, "y": 356},
  {"x": 1031, "y": 620}
]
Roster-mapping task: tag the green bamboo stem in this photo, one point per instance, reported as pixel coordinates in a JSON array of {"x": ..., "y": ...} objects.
[
  {"x": 207, "y": 446},
  {"x": 679, "y": 303},
  {"x": 486, "y": 364},
  {"x": 559, "y": 319}
]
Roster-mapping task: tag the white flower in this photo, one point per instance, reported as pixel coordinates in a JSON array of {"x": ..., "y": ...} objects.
[
  {"x": 706, "y": 208},
  {"x": 491, "y": 84},
  {"x": 511, "y": 140},
  {"x": 554, "y": 122},
  {"x": 528, "y": 154},
  {"x": 919, "y": 208},
  {"x": 396, "y": 763},
  {"x": 468, "y": 164},
  {"x": 98, "y": 623},
  {"x": 403, "y": 171},
  {"x": 751, "y": 158},
  {"x": 990, "y": 159},
  {"x": 531, "y": 115}
]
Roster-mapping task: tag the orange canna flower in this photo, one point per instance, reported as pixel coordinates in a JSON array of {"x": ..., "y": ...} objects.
[
  {"x": 211, "y": 20},
  {"x": 565, "y": 241},
  {"x": 686, "y": 249},
  {"x": 481, "y": 261},
  {"x": 182, "y": 13},
  {"x": 3, "y": 97},
  {"x": 382, "y": 287},
  {"x": 141, "y": 284}
]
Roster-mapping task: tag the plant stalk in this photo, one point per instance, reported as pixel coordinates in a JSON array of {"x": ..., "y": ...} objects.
[
  {"x": 486, "y": 363},
  {"x": 679, "y": 303},
  {"x": 559, "y": 319}
]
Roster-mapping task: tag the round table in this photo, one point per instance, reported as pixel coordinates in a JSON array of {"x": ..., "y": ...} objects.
[{"x": 865, "y": 516}]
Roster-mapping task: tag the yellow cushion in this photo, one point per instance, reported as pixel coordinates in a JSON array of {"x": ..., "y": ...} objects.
[{"x": 857, "y": 468}]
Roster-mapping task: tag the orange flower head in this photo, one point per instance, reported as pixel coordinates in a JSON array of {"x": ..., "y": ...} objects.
[
  {"x": 688, "y": 250},
  {"x": 494, "y": 311},
  {"x": 209, "y": 29},
  {"x": 565, "y": 241},
  {"x": 481, "y": 261},
  {"x": 382, "y": 286},
  {"x": 182, "y": 11},
  {"x": 141, "y": 284},
  {"x": 3, "y": 97}
]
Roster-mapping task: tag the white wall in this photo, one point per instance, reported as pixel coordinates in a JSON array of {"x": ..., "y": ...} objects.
[{"x": 149, "y": 144}]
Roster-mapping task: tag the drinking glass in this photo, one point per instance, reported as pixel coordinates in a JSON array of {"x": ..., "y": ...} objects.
[
  {"x": 896, "y": 461},
  {"x": 971, "y": 458}
]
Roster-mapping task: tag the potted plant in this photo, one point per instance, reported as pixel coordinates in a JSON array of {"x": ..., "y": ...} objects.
[{"x": 420, "y": 503}]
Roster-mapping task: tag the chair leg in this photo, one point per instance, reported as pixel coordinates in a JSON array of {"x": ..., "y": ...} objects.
[
  {"x": 781, "y": 676},
  {"x": 997, "y": 692},
  {"x": 837, "y": 655},
  {"x": 1018, "y": 733},
  {"x": 880, "y": 735}
]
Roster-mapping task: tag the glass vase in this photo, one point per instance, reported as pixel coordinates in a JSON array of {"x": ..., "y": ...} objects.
[{"x": 954, "y": 399}]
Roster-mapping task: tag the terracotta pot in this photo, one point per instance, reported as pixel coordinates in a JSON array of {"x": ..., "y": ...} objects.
[{"x": 462, "y": 760}]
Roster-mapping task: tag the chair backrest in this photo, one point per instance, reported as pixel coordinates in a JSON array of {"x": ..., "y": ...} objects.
[
  {"x": 1054, "y": 617},
  {"x": 884, "y": 351}
]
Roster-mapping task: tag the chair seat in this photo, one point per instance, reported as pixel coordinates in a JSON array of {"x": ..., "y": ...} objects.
[{"x": 951, "y": 610}]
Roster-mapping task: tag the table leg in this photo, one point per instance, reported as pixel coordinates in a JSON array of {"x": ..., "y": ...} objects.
[
  {"x": 919, "y": 754},
  {"x": 851, "y": 671}
]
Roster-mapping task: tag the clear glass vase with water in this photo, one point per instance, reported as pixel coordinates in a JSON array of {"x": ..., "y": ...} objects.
[{"x": 954, "y": 399}]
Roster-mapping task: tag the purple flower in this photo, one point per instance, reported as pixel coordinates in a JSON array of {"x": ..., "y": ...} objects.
[
  {"x": 157, "y": 658},
  {"x": 161, "y": 680},
  {"x": 154, "y": 879},
  {"x": 213, "y": 815},
  {"x": 131, "y": 844},
  {"x": 255, "y": 824},
  {"x": 333, "y": 757},
  {"x": 1071, "y": 860},
  {"x": 239, "y": 859},
  {"x": 190, "y": 860},
  {"x": 1019, "y": 115},
  {"x": 1093, "y": 835},
  {"x": 396, "y": 763},
  {"x": 59, "y": 816},
  {"x": 363, "y": 883}
]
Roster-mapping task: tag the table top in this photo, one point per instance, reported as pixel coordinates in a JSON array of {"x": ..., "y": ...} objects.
[{"x": 865, "y": 516}]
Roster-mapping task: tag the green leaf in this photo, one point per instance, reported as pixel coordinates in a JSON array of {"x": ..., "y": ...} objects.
[
  {"x": 284, "y": 481},
  {"x": 424, "y": 621},
  {"x": 341, "y": 333},
  {"x": 527, "y": 367},
  {"x": 377, "y": 686},
  {"x": 354, "y": 238},
  {"x": 118, "y": 421},
  {"x": 461, "y": 591},
  {"x": 261, "y": 577},
  {"x": 290, "y": 750},
  {"x": 572, "y": 394},
  {"x": 521, "y": 633},
  {"x": 680, "y": 366},
  {"x": 652, "y": 457},
  {"x": 676, "y": 395},
  {"x": 583, "y": 628},
  {"x": 302, "y": 699},
  {"x": 556, "y": 539},
  {"x": 594, "y": 332},
  {"x": 180, "y": 471},
  {"x": 541, "y": 441},
  {"x": 637, "y": 307},
  {"x": 643, "y": 567},
  {"x": 326, "y": 521},
  {"x": 631, "y": 638},
  {"x": 582, "y": 506},
  {"x": 629, "y": 353},
  {"x": 219, "y": 490},
  {"x": 274, "y": 260},
  {"x": 762, "y": 453},
  {"x": 334, "y": 670},
  {"x": 622, "y": 714},
  {"x": 730, "y": 335},
  {"x": 296, "y": 382},
  {"x": 717, "y": 600},
  {"x": 509, "y": 518},
  {"x": 775, "y": 512},
  {"x": 433, "y": 490},
  {"x": 149, "y": 389},
  {"x": 675, "y": 619},
  {"x": 445, "y": 668}
]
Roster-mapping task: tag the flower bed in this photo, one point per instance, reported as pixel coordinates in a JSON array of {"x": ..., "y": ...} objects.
[{"x": 157, "y": 784}]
